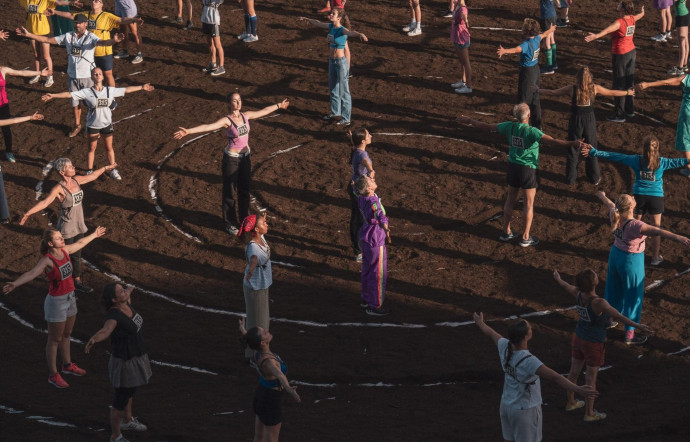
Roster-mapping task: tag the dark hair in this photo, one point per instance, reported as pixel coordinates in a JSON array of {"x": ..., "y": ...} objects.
[
  {"x": 253, "y": 210},
  {"x": 628, "y": 7},
  {"x": 517, "y": 331},
  {"x": 47, "y": 237},
  {"x": 357, "y": 137},
  {"x": 253, "y": 338},
  {"x": 344, "y": 19},
  {"x": 585, "y": 280},
  {"x": 531, "y": 27},
  {"x": 109, "y": 293}
]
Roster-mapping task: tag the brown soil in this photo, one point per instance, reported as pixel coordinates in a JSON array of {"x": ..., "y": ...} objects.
[{"x": 444, "y": 263}]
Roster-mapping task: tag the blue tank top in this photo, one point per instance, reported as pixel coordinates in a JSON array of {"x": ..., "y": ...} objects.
[
  {"x": 273, "y": 383},
  {"x": 336, "y": 37},
  {"x": 590, "y": 327},
  {"x": 530, "y": 51}
]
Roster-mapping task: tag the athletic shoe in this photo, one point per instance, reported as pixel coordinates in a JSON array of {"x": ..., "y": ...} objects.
[
  {"x": 668, "y": 36},
  {"x": 120, "y": 438},
  {"x": 47, "y": 168},
  {"x": 415, "y": 31},
  {"x": 75, "y": 131},
  {"x": 377, "y": 311},
  {"x": 597, "y": 416},
  {"x": 35, "y": 79},
  {"x": 507, "y": 236},
  {"x": 463, "y": 90},
  {"x": 328, "y": 117},
  {"x": 72, "y": 369},
  {"x": 49, "y": 81},
  {"x": 189, "y": 25},
  {"x": 448, "y": 14},
  {"x": 363, "y": 304},
  {"x": 4, "y": 221},
  {"x": 78, "y": 285},
  {"x": 250, "y": 38},
  {"x": 547, "y": 70},
  {"x": 630, "y": 115},
  {"x": 210, "y": 68},
  {"x": 358, "y": 258},
  {"x": 220, "y": 70},
  {"x": 561, "y": 23},
  {"x": 661, "y": 38},
  {"x": 555, "y": 66},
  {"x": 458, "y": 84},
  {"x": 232, "y": 230},
  {"x": 409, "y": 27},
  {"x": 676, "y": 71},
  {"x": 242, "y": 36},
  {"x": 9, "y": 156},
  {"x": 134, "y": 424},
  {"x": 567, "y": 19},
  {"x": 615, "y": 119},
  {"x": 114, "y": 174},
  {"x": 138, "y": 59},
  {"x": 89, "y": 172},
  {"x": 612, "y": 324},
  {"x": 577, "y": 405},
  {"x": 635, "y": 340},
  {"x": 179, "y": 20},
  {"x": 57, "y": 380},
  {"x": 343, "y": 123},
  {"x": 657, "y": 260},
  {"x": 531, "y": 241},
  {"x": 121, "y": 54}
]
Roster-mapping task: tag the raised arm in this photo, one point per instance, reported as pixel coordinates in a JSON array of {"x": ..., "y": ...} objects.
[
  {"x": 604, "y": 199},
  {"x": 77, "y": 246},
  {"x": 655, "y": 231},
  {"x": 183, "y": 132},
  {"x": 488, "y": 331},
  {"x": 101, "y": 335},
  {"x": 479, "y": 125},
  {"x": 640, "y": 15},
  {"x": 268, "y": 109},
  {"x": 600, "y": 90},
  {"x": 600, "y": 305},
  {"x": 84, "y": 179},
  {"x": 613, "y": 27},
  {"x": 548, "y": 32},
  {"x": 32, "y": 274},
  {"x": 22, "y": 32},
  {"x": 673, "y": 81},
  {"x": 567, "y": 287},
  {"x": 565, "y": 90},
  {"x": 146, "y": 87},
  {"x": 36, "y": 116},
  {"x": 501, "y": 51},
  {"x": 585, "y": 390},
  {"x": 313, "y": 22}
]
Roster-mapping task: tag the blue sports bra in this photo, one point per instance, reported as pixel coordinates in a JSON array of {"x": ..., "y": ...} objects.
[
  {"x": 336, "y": 37},
  {"x": 274, "y": 383}
]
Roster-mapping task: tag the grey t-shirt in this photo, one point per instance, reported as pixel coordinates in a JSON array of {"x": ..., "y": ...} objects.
[
  {"x": 99, "y": 115},
  {"x": 262, "y": 278},
  {"x": 521, "y": 387}
]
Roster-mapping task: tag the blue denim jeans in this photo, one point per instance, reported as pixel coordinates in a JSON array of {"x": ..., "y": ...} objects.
[{"x": 339, "y": 87}]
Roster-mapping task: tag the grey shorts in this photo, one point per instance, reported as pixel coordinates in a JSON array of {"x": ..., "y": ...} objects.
[
  {"x": 521, "y": 425},
  {"x": 77, "y": 84},
  {"x": 125, "y": 8},
  {"x": 59, "y": 308}
]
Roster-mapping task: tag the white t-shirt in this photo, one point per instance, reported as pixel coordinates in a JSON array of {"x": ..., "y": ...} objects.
[
  {"x": 99, "y": 115},
  {"x": 209, "y": 14},
  {"x": 80, "y": 53},
  {"x": 521, "y": 387}
]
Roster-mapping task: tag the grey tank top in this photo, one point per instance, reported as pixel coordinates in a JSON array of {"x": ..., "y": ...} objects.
[{"x": 71, "y": 221}]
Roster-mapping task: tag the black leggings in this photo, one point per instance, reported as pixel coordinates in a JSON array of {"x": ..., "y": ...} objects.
[
  {"x": 236, "y": 181},
  {"x": 6, "y": 132},
  {"x": 122, "y": 397},
  {"x": 583, "y": 125},
  {"x": 76, "y": 256}
]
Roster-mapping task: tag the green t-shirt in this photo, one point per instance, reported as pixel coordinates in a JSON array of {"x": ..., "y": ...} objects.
[
  {"x": 524, "y": 143},
  {"x": 681, "y": 8}
]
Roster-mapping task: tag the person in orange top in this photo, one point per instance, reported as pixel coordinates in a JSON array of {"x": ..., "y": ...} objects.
[{"x": 623, "y": 50}]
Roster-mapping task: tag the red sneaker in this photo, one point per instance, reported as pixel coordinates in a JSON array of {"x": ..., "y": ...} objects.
[
  {"x": 57, "y": 380},
  {"x": 73, "y": 369}
]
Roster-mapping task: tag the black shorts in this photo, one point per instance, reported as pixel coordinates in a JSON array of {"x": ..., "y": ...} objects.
[
  {"x": 683, "y": 20},
  {"x": 647, "y": 204},
  {"x": 521, "y": 176},
  {"x": 546, "y": 23},
  {"x": 211, "y": 30},
  {"x": 105, "y": 62},
  {"x": 108, "y": 130},
  {"x": 267, "y": 405},
  {"x": 122, "y": 397}
]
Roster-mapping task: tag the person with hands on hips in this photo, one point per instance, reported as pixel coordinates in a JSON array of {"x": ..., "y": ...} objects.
[{"x": 588, "y": 343}]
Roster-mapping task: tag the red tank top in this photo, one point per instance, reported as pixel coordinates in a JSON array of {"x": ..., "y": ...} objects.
[
  {"x": 61, "y": 282},
  {"x": 622, "y": 41}
]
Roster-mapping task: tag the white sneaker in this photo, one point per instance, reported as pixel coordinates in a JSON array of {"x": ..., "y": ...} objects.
[
  {"x": 47, "y": 168},
  {"x": 138, "y": 59},
  {"x": 660, "y": 38},
  {"x": 114, "y": 174},
  {"x": 134, "y": 424},
  {"x": 250, "y": 38},
  {"x": 409, "y": 27},
  {"x": 35, "y": 79},
  {"x": 415, "y": 31},
  {"x": 458, "y": 84},
  {"x": 242, "y": 36},
  {"x": 668, "y": 36},
  {"x": 121, "y": 54},
  {"x": 49, "y": 81},
  {"x": 657, "y": 260},
  {"x": 463, "y": 90}
]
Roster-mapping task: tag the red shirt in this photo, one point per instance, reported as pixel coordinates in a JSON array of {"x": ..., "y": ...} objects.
[
  {"x": 61, "y": 282},
  {"x": 622, "y": 41}
]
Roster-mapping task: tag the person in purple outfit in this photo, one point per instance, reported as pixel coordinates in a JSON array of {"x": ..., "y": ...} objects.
[
  {"x": 361, "y": 166},
  {"x": 372, "y": 238}
]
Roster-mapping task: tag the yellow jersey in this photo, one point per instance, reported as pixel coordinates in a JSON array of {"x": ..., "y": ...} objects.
[
  {"x": 101, "y": 24},
  {"x": 36, "y": 22}
]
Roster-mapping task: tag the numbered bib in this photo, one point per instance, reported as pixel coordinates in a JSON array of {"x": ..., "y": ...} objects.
[
  {"x": 583, "y": 312},
  {"x": 102, "y": 102},
  {"x": 75, "y": 51},
  {"x": 77, "y": 198},
  {"x": 648, "y": 176},
  {"x": 517, "y": 142},
  {"x": 65, "y": 270},
  {"x": 535, "y": 57},
  {"x": 242, "y": 130},
  {"x": 630, "y": 30},
  {"x": 33, "y": 9},
  {"x": 138, "y": 320},
  {"x": 91, "y": 25}
]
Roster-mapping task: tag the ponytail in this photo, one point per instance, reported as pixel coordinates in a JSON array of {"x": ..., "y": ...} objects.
[
  {"x": 517, "y": 332},
  {"x": 623, "y": 204},
  {"x": 650, "y": 153}
]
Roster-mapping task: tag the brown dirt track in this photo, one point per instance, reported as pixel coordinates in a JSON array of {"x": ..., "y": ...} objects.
[{"x": 444, "y": 263}]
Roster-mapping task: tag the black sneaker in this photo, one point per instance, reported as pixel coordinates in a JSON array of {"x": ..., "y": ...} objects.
[
  {"x": 232, "y": 230},
  {"x": 531, "y": 241},
  {"x": 448, "y": 14},
  {"x": 363, "y": 304},
  {"x": 636, "y": 340},
  {"x": 377, "y": 311},
  {"x": 5, "y": 221},
  {"x": 547, "y": 70},
  {"x": 82, "y": 287},
  {"x": 328, "y": 117},
  {"x": 507, "y": 236},
  {"x": 616, "y": 119},
  {"x": 210, "y": 68}
]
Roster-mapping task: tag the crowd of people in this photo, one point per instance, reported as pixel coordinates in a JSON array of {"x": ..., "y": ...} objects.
[{"x": 89, "y": 38}]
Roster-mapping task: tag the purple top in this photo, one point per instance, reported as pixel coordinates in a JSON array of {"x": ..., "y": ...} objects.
[
  {"x": 238, "y": 136},
  {"x": 374, "y": 214},
  {"x": 358, "y": 167},
  {"x": 628, "y": 236}
]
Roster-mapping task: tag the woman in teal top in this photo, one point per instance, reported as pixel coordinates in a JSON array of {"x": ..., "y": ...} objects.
[
  {"x": 648, "y": 189},
  {"x": 683, "y": 128}
]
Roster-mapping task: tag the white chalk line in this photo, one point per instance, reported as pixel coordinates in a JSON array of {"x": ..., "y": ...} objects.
[
  {"x": 640, "y": 114},
  {"x": 496, "y": 29},
  {"x": 139, "y": 114},
  {"x": 130, "y": 75},
  {"x": 48, "y": 420}
]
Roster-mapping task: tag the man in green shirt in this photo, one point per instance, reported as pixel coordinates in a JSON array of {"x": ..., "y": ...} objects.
[{"x": 523, "y": 162}]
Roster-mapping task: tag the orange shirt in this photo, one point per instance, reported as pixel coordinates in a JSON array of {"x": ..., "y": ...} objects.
[{"x": 622, "y": 41}]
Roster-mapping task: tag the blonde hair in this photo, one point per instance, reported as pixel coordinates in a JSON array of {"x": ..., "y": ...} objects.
[
  {"x": 623, "y": 205},
  {"x": 650, "y": 153},
  {"x": 584, "y": 89}
]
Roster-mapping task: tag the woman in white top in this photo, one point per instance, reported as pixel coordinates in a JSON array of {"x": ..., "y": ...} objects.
[
  {"x": 99, "y": 119},
  {"x": 521, "y": 419}
]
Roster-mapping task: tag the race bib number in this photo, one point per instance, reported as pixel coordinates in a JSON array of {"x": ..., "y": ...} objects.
[
  {"x": 102, "y": 102},
  {"x": 78, "y": 197},
  {"x": 138, "y": 320},
  {"x": 629, "y": 31},
  {"x": 618, "y": 233},
  {"x": 242, "y": 130},
  {"x": 648, "y": 176},
  {"x": 91, "y": 25},
  {"x": 535, "y": 57},
  {"x": 584, "y": 314},
  {"x": 65, "y": 270},
  {"x": 331, "y": 38},
  {"x": 33, "y": 9},
  {"x": 517, "y": 142},
  {"x": 75, "y": 51}
]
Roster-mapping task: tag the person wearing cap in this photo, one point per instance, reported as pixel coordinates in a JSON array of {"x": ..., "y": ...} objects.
[
  {"x": 236, "y": 166},
  {"x": 81, "y": 46},
  {"x": 258, "y": 276}
]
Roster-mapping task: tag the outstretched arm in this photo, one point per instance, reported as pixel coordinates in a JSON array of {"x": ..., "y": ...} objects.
[
  {"x": 550, "y": 141},
  {"x": 600, "y": 90},
  {"x": 84, "y": 179},
  {"x": 9, "y": 71},
  {"x": 640, "y": 15},
  {"x": 273, "y": 369},
  {"x": 488, "y": 331},
  {"x": 146, "y": 87},
  {"x": 101, "y": 334},
  {"x": 22, "y": 32},
  {"x": 183, "y": 132},
  {"x": 613, "y": 27},
  {"x": 565, "y": 90},
  {"x": 604, "y": 199},
  {"x": 268, "y": 109},
  {"x": 32, "y": 274},
  {"x": 117, "y": 38},
  {"x": 501, "y": 51},
  {"x": 673, "y": 81},
  {"x": 655, "y": 231},
  {"x": 36, "y": 116},
  {"x": 567, "y": 287},
  {"x": 48, "y": 97},
  {"x": 314, "y": 22},
  {"x": 548, "y": 32},
  {"x": 601, "y": 305},
  {"x": 356, "y": 34},
  {"x": 77, "y": 246},
  {"x": 479, "y": 125},
  {"x": 585, "y": 390}
]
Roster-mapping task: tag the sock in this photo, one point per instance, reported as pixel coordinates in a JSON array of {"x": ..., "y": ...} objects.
[
  {"x": 553, "y": 54},
  {"x": 629, "y": 334},
  {"x": 252, "y": 24},
  {"x": 549, "y": 58},
  {"x": 419, "y": 25},
  {"x": 247, "y": 26}
]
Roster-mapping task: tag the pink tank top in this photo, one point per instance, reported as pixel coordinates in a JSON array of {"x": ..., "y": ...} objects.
[
  {"x": 238, "y": 136},
  {"x": 3, "y": 92},
  {"x": 628, "y": 237}
]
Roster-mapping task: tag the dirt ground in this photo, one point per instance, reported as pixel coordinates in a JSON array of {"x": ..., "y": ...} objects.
[{"x": 418, "y": 374}]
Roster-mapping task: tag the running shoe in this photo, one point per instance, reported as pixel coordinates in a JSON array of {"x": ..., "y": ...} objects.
[
  {"x": 114, "y": 174},
  {"x": 561, "y": 23},
  {"x": 179, "y": 20},
  {"x": 120, "y": 438},
  {"x": 343, "y": 123},
  {"x": 250, "y": 38},
  {"x": 78, "y": 285},
  {"x": 507, "y": 236},
  {"x": 138, "y": 59},
  {"x": 243, "y": 35},
  {"x": 10, "y": 157},
  {"x": 615, "y": 119},
  {"x": 232, "y": 230},
  {"x": 121, "y": 54},
  {"x": 630, "y": 115},
  {"x": 210, "y": 68},
  {"x": 57, "y": 380},
  {"x": 49, "y": 81},
  {"x": 611, "y": 324},
  {"x": 377, "y": 311},
  {"x": 414, "y": 32},
  {"x": 72, "y": 369},
  {"x": 458, "y": 84},
  {"x": 577, "y": 405},
  {"x": 463, "y": 90},
  {"x": 676, "y": 71},
  {"x": 134, "y": 424},
  {"x": 685, "y": 172},
  {"x": 597, "y": 416},
  {"x": 567, "y": 19},
  {"x": 531, "y": 241},
  {"x": 661, "y": 38},
  {"x": 4, "y": 221},
  {"x": 75, "y": 131},
  {"x": 668, "y": 36},
  {"x": 358, "y": 258},
  {"x": 656, "y": 260},
  {"x": 363, "y": 304},
  {"x": 189, "y": 25},
  {"x": 220, "y": 70},
  {"x": 328, "y": 117},
  {"x": 635, "y": 340},
  {"x": 35, "y": 79},
  {"x": 547, "y": 70},
  {"x": 555, "y": 66},
  {"x": 448, "y": 14},
  {"x": 409, "y": 27}
]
